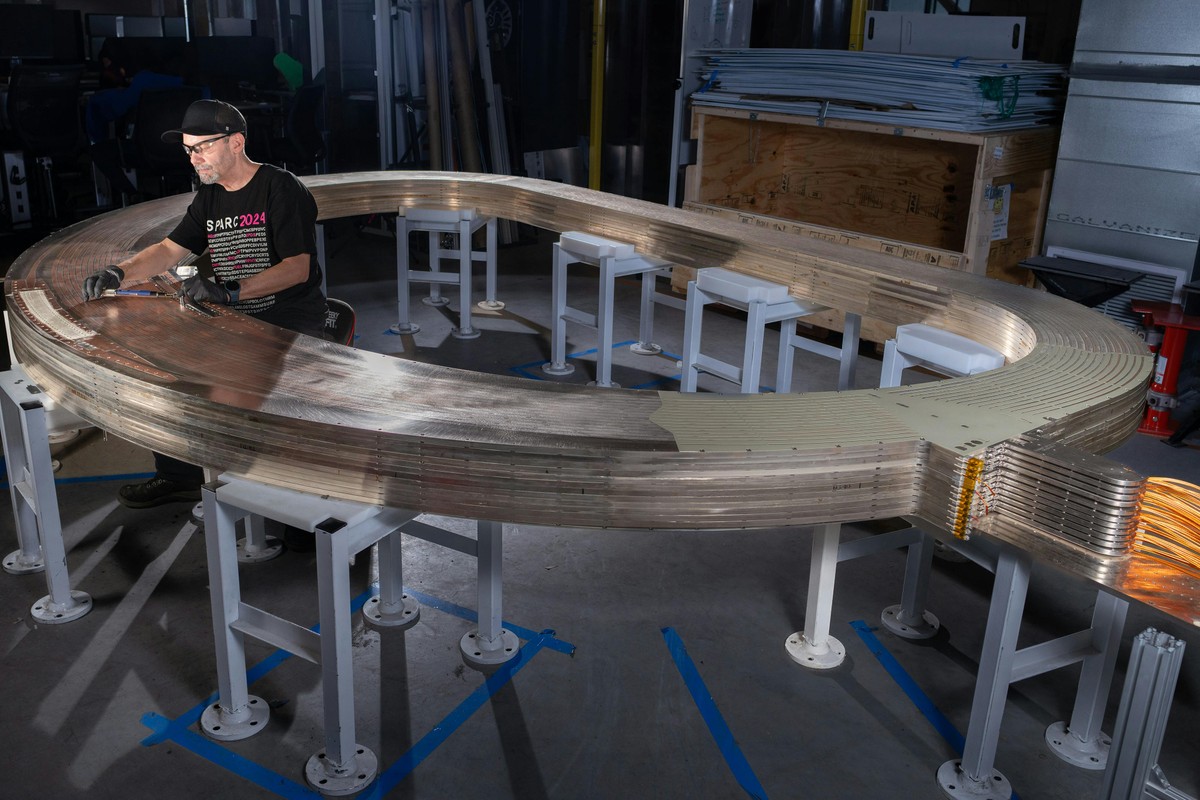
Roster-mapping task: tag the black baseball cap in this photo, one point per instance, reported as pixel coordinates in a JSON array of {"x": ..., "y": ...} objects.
[{"x": 208, "y": 118}]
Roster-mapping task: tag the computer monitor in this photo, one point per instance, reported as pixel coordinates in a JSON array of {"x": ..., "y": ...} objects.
[
  {"x": 226, "y": 62},
  {"x": 175, "y": 26},
  {"x": 68, "y": 37},
  {"x": 141, "y": 26},
  {"x": 26, "y": 32}
]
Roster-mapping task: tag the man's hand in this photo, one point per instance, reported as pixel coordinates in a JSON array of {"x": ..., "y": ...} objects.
[
  {"x": 199, "y": 288},
  {"x": 95, "y": 285}
]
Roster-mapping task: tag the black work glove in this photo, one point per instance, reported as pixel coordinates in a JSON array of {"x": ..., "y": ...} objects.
[
  {"x": 95, "y": 285},
  {"x": 199, "y": 288}
]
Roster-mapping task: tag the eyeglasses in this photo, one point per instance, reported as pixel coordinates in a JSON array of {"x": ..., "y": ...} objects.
[{"x": 201, "y": 148}]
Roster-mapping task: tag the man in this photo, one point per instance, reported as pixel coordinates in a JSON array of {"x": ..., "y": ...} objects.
[{"x": 258, "y": 223}]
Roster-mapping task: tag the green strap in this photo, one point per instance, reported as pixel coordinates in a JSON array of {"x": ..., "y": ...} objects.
[{"x": 995, "y": 89}]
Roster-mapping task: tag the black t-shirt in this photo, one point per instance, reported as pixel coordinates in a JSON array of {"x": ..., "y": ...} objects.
[{"x": 271, "y": 218}]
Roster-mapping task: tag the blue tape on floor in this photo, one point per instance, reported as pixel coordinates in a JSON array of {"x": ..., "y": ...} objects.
[
  {"x": 404, "y": 765},
  {"x": 471, "y": 616},
  {"x": 179, "y": 730},
  {"x": 189, "y": 717},
  {"x": 524, "y": 373},
  {"x": 238, "y": 765},
  {"x": 712, "y": 716},
  {"x": 921, "y": 700},
  {"x": 658, "y": 382},
  {"x": 129, "y": 476},
  {"x": 524, "y": 370}
]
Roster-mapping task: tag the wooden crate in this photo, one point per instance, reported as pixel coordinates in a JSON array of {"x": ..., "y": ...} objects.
[{"x": 971, "y": 201}]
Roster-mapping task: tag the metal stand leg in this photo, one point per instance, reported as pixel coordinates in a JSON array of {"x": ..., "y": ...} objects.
[
  {"x": 909, "y": 619},
  {"x": 814, "y": 647},
  {"x": 236, "y": 714},
  {"x": 783, "y": 372},
  {"x": 490, "y": 644},
  {"x": 1133, "y": 770},
  {"x": 851, "y": 333},
  {"x": 343, "y": 766},
  {"x": 28, "y": 557},
  {"x": 645, "y": 345},
  {"x": 256, "y": 546},
  {"x": 693, "y": 319},
  {"x": 464, "y": 329},
  {"x": 435, "y": 268},
  {"x": 391, "y": 608},
  {"x": 62, "y": 604},
  {"x": 753, "y": 350},
  {"x": 35, "y": 505},
  {"x": 403, "y": 324},
  {"x": 974, "y": 775},
  {"x": 558, "y": 331},
  {"x": 894, "y": 364},
  {"x": 604, "y": 325},
  {"x": 846, "y": 354},
  {"x": 490, "y": 302},
  {"x": 1081, "y": 742}
]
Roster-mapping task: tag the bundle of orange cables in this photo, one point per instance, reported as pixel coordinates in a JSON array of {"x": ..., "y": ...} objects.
[{"x": 1169, "y": 523}]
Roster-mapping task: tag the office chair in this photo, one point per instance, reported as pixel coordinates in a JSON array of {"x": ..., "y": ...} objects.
[
  {"x": 303, "y": 144},
  {"x": 339, "y": 321},
  {"x": 45, "y": 117},
  {"x": 159, "y": 110}
]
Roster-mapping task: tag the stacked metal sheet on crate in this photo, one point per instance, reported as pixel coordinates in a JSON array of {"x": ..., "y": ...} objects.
[{"x": 960, "y": 94}]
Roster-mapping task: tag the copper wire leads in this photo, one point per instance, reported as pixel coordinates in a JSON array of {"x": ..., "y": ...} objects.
[{"x": 1169, "y": 524}]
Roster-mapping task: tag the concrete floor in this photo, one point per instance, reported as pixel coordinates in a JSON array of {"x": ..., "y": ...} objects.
[{"x": 653, "y": 663}]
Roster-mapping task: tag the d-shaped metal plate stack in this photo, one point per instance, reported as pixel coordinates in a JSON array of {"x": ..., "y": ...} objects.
[{"x": 241, "y": 396}]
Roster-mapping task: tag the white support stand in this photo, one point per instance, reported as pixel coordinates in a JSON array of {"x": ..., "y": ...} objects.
[
  {"x": 342, "y": 529},
  {"x": 1002, "y": 664},
  {"x": 490, "y": 644},
  {"x": 814, "y": 647},
  {"x": 946, "y": 354},
  {"x": 462, "y": 223},
  {"x": 615, "y": 260},
  {"x": 937, "y": 350},
  {"x": 846, "y": 355},
  {"x": 28, "y": 419},
  {"x": 1133, "y": 772},
  {"x": 1079, "y": 741},
  {"x": 764, "y": 302}
]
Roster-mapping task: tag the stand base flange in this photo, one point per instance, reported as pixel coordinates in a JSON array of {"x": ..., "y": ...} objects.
[
  {"x": 958, "y": 786},
  {"x": 219, "y": 724},
  {"x": 329, "y": 780},
  {"x": 48, "y": 612},
  {"x": 15, "y": 565},
  {"x": 926, "y": 628},
  {"x": 406, "y": 617},
  {"x": 815, "y": 656},
  {"x": 476, "y": 656},
  {"x": 246, "y": 555},
  {"x": 1089, "y": 755},
  {"x": 645, "y": 348},
  {"x": 562, "y": 369},
  {"x": 405, "y": 329}
]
